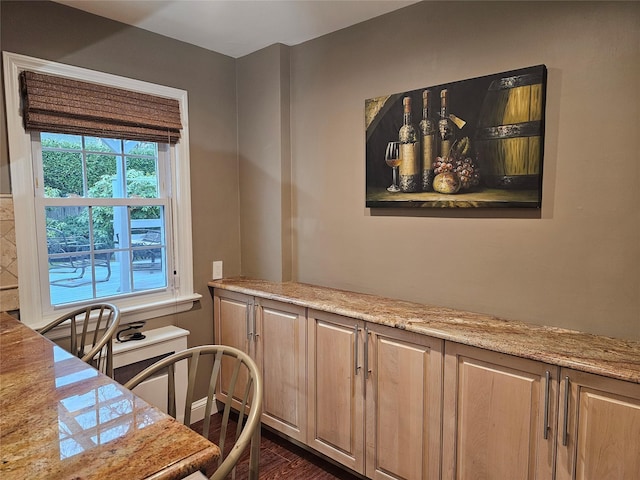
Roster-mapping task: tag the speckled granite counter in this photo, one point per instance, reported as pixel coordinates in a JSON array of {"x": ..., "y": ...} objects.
[
  {"x": 62, "y": 419},
  {"x": 606, "y": 356}
]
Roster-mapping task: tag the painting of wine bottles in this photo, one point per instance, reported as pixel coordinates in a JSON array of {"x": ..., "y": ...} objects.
[{"x": 475, "y": 143}]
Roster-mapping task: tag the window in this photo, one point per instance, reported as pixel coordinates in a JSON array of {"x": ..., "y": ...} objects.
[
  {"x": 98, "y": 218},
  {"x": 103, "y": 212}
]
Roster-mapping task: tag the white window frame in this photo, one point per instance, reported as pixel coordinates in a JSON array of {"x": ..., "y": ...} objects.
[{"x": 179, "y": 297}]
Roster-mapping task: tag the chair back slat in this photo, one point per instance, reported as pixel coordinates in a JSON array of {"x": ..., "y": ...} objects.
[
  {"x": 213, "y": 385},
  {"x": 94, "y": 343},
  {"x": 244, "y": 403},
  {"x": 109, "y": 353},
  {"x": 191, "y": 385},
  {"x": 227, "y": 404},
  {"x": 171, "y": 390},
  {"x": 98, "y": 321},
  {"x": 85, "y": 327},
  {"x": 73, "y": 347},
  {"x": 245, "y": 377}
]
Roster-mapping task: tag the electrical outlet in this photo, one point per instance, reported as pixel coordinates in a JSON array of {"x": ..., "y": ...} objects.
[{"x": 217, "y": 270}]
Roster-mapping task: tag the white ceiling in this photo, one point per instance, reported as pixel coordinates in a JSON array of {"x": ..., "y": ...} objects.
[{"x": 239, "y": 27}]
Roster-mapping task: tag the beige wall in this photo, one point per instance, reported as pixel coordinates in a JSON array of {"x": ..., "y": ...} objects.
[
  {"x": 265, "y": 163},
  {"x": 578, "y": 264},
  {"x": 575, "y": 264},
  {"x": 52, "y": 31}
]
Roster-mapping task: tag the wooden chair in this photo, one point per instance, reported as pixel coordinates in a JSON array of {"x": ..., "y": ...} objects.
[
  {"x": 234, "y": 377},
  {"x": 94, "y": 347}
]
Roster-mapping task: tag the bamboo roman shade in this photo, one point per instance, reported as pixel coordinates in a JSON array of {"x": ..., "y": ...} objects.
[{"x": 61, "y": 105}]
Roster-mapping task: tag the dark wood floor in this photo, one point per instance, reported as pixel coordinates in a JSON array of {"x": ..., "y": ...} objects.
[{"x": 280, "y": 459}]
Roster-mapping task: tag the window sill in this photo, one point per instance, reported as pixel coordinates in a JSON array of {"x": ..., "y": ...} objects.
[
  {"x": 134, "y": 313},
  {"x": 146, "y": 311}
]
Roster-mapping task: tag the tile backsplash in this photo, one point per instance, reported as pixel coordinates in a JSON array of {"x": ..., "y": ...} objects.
[{"x": 8, "y": 257}]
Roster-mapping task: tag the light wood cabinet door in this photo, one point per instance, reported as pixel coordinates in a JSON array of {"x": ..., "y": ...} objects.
[
  {"x": 336, "y": 388},
  {"x": 403, "y": 404},
  {"x": 281, "y": 353},
  {"x": 499, "y": 416},
  {"x": 599, "y": 428},
  {"x": 233, "y": 326}
]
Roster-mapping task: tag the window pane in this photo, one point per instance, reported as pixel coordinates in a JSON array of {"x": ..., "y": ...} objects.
[
  {"x": 107, "y": 145},
  {"x": 61, "y": 140},
  {"x": 103, "y": 231},
  {"x": 147, "y": 242},
  {"x": 140, "y": 185},
  {"x": 134, "y": 147},
  {"x": 146, "y": 222},
  {"x": 70, "y": 222},
  {"x": 102, "y": 179},
  {"x": 142, "y": 180},
  {"x": 149, "y": 269},
  {"x": 62, "y": 173}
]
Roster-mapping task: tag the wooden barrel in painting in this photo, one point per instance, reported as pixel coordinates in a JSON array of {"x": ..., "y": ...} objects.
[{"x": 510, "y": 132}]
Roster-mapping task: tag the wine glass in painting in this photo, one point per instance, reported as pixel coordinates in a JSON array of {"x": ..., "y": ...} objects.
[{"x": 392, "y": 157}]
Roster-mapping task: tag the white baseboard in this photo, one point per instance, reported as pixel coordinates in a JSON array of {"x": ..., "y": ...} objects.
[{"x": 197, "y": 410}]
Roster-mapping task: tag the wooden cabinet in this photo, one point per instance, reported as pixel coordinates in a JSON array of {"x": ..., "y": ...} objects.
[
  {"x": 274, "y": 334},
  {"x": 403, "y": 372},
  {"x": 391, "y": 404},
  {"x": 499, "y": 416},
  {"x": 598, "y": 428},
  {"x": 375, "y": 397}
]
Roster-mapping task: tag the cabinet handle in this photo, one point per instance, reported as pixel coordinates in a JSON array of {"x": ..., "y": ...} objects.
[
  {"x": 547, "y": 376},
  {"x": 565, "y": 423},
  {"x": 247, "y": 314},
  {"x": 250, "y": 320},
  {"x": 355, "y": 360},
  {"x": 366, "y": 351},
  {"x": 255, "y": 321}
]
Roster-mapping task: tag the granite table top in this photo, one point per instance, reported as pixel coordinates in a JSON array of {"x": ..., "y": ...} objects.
[
  {"x": 610, "y": 357},
  {"x": 62, "y": 419}
]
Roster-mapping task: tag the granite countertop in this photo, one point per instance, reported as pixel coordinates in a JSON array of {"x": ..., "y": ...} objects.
[
  {"x": 610, "y": 357},
  {"x": 62, "y": 419}
]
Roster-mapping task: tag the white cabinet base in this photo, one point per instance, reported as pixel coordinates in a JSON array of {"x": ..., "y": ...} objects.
[{"x": 158, "y": 342}]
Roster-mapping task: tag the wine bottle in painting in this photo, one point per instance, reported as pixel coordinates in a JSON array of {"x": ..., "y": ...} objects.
[
  {"x": 445, "y": 126},
  {"x": 428, "y": 142},
  {"x": 410, "y": 164}
]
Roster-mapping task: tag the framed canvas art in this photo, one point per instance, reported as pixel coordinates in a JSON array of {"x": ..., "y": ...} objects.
[{"x": 471, "y": 143}]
